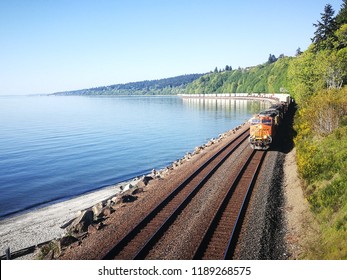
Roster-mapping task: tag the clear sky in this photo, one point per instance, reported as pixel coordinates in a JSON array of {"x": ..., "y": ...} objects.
[{"x": 55, "y": 45}]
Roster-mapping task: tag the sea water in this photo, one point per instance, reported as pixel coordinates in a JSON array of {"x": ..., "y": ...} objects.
[{"x": 53, "y": 148}]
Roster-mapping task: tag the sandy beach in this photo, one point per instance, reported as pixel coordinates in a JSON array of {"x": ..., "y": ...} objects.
[{"x": 44, "y": 224}]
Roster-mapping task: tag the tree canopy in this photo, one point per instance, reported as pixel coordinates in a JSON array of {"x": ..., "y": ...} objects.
[{"x": 325, "y": 29}]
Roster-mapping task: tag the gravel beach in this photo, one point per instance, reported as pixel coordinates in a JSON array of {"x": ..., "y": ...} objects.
[{"x": 44, "y": 224}]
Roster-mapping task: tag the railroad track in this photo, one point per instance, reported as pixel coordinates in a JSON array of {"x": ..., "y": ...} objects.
[
  {"x": 221, "y": 236},
  {"x": 141, "y": 239}
]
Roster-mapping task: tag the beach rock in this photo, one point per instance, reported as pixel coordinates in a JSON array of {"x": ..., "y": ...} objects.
[
  {"x": 128, "y": 198},
  {"x": 140, "y": 184},
  {"x": 128, "y": 187},
  {"x": 95, "y": 227},
  {"x": 107, "y": 211},
  {"x": 97, "y": 209},
  {"x": 81, "y": 223},
  {"x": 144, "y": 181},
  {"x": 147, "y": 179},
  {"x": 197, "y": 150},
  {"x": 65, "y": 225},
  {"x": 50, "y": 251},
  {"x": 49, "y": 255},
  {"x": 187, "y": 156},
  {"x": 67, "y": 241},
  {"x": 109, "y": 203},
  {"x": 116, "y": 199},
  {"x": 137, "y": 190},
  {"x": 166, "y": 170}
]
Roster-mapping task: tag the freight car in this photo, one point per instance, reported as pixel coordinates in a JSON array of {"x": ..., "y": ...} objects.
[{"x": 264, "y": 126}]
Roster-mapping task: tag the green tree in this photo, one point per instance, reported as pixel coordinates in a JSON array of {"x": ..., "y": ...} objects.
[
  {"x": 341, "y": 37},
  {"x": 325, "y": 32},
  {"x": 341, "y": 17},
  {"x": 272, "y": 58},
  {"x": 298, "y": 52}
]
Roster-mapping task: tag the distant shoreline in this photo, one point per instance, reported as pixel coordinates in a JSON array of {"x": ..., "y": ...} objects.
[{"x": 271, "y": 97}]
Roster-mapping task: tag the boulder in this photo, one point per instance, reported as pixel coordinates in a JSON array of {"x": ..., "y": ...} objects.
[
  {"x": 116, "y": 199},
  {"x": 140, "y": 184},
  {"x": 67, "y": 240},
  {"x": 49, "y": 255},
  {"x": 144, "y": 181},
  {"x": 187, "y": 156},
  {"x": 128, "y": 198},
  {"x": 109, "y": 203},
  {"x": 95, "y": 227},
  {"x": 137, "y": 190},
  {"x": 107, "y": 211},
  {"x": 128, "y": 187},
  {"x": 97, "y": 209},
  {"x": 81, "y": 223}
]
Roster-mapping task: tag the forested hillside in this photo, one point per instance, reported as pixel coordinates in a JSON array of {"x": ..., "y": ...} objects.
[
  {"x": 172, "y": 85},
  {"x": 318, "y": 79},
  {"x": 269, "y": 77}
]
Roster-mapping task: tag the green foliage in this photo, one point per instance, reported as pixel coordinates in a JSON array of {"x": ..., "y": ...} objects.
[
  {"x": 266, "y": 78},
  {"x": 325, "y": 32},
  {"x": 322, "y": 135},
  {"x": 317, "y": 77},
  {"x": 166, "y": 86},
  {"x": 341, "y": 37},
  {"x": 341, "y": 17},
  {"x": 330, "y": 198},
  {"x": 322, "y": 163}
]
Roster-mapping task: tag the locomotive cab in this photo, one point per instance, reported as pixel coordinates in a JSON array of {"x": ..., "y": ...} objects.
[{"x": 262, "y": 130}]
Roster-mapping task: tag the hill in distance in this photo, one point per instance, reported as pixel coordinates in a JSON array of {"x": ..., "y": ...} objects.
[
  {"x": 168, "y": 86},
  {"x": 270, "y": 77}
]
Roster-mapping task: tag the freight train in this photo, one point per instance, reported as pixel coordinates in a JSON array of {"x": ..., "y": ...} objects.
[{"x": 264, "y": 126}]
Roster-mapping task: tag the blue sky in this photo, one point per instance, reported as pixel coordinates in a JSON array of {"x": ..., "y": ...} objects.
[{"x": 55, "y": 45}]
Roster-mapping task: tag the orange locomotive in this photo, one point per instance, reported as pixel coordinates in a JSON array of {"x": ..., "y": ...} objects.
[{"x": 264, "y": 127}]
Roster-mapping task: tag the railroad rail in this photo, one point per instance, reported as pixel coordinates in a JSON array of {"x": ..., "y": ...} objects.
[
  {"x": 219, "y": 239},
  {"x": 221, "y": 236},
  {"x": 139, "y": 241}
]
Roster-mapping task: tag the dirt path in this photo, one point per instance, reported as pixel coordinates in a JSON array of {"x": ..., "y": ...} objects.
[{"x": 301, "y": 226}]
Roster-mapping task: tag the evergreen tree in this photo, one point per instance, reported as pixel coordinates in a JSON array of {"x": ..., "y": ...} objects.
[
  {"x": 341, "y": 17},
  {"x": 298, "y": 52},
  {"x": 324, "y": 35},
  {"x": 272, "y": 58}
]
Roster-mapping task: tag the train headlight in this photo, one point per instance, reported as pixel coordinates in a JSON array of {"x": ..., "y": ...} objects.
[{"x": 265, "y": 136}]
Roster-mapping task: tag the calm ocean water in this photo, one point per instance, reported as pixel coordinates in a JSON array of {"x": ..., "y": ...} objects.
[{"x": 54, "y": 148}]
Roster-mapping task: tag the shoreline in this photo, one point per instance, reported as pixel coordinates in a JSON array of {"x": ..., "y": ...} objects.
[
  {"x": 44, "y": 224},
  {"x": 48, "y": 223},
  {"x": 270, "y": 97}
]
